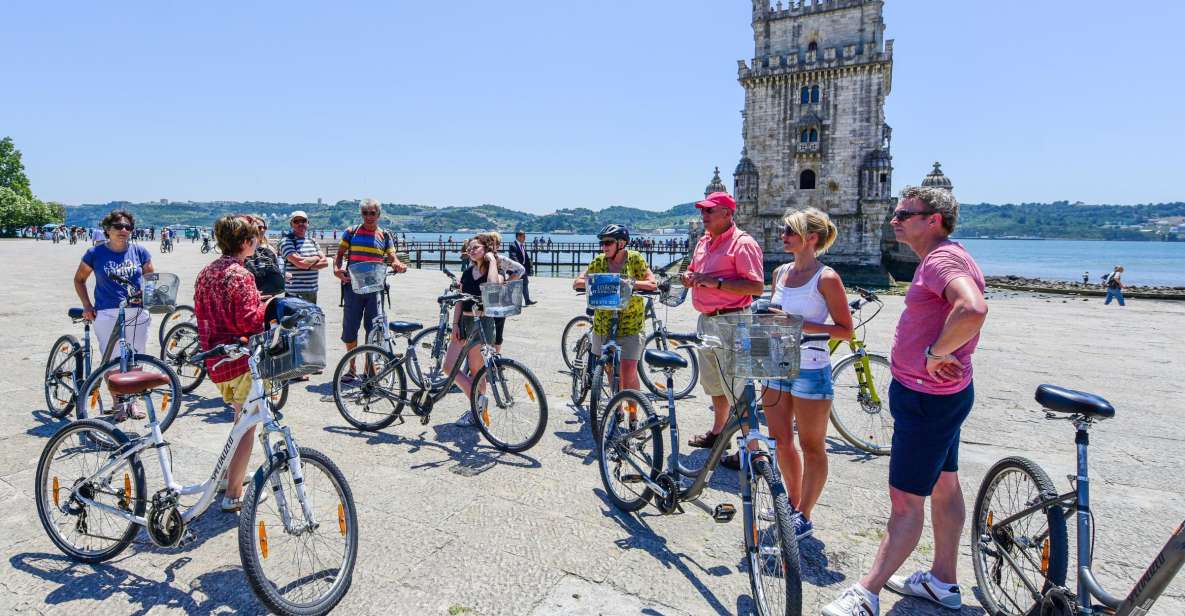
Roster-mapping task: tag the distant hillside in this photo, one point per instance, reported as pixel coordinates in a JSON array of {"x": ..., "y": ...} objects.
[{"x": 1064, "y": 220}]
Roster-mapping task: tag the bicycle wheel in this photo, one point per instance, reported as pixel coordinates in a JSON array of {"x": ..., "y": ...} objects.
[
  {"x": 623, "y": 457},
  {"x": 425, "y": 343},
  {"x": 96, "y": 401},
  {"x": 296, "y": 565},
  {"x": 180, "y": 344},
  {"x": 516, "y": 406},
  {"x": 278, "y": 396},
  {"x": 573, "y": 332},
  {"x": 860, "y": 408},
  {"x": 182, "y": 313},
  {"x": 684, "y": 380},
  {"x": 64, "y": 363},
  {"x": 368, "y": 400},
  {"x": 600, "y": 391},
  {"x": 580, "y": 375},
  {"x": 70, "y": 458},
  {"x": 1037, "y": 543},
  {"x": 774, "y": 569}
]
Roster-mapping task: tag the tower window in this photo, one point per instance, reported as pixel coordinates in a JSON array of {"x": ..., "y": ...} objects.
[
  {"x": 814, "y": 136},
  {"x": 805, "y": 137},
  {"x": 884, "y": 177},
  {"x": 815, "y": 94},
  {"x": 806, "y": 180},
  {"x": 806, "y": 95},
  {"x": 813, "y": 46}
]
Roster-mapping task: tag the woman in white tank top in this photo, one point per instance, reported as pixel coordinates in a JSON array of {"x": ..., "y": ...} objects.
[{"x": 808, "y": 288}]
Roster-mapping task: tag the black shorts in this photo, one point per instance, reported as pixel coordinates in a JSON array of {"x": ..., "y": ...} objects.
[{"x": 926, "y": 429}]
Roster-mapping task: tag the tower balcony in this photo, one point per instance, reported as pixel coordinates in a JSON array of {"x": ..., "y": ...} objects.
[{"x": 808, "y": 148}]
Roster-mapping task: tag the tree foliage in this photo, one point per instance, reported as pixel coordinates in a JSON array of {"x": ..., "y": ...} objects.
[{"x": 12, "y": 170}]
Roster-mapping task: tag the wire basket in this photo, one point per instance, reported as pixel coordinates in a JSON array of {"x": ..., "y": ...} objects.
[
  {"x": 368, "y": 277},
  {"x": 502, "y": 300},
  {"x": 756, "y": 346},
  {"x": 301, "y": 349},
  {"x": 609, "y": 291},
  {"x": 159, "y": 291},
  {"x": 672, "y": 292}
]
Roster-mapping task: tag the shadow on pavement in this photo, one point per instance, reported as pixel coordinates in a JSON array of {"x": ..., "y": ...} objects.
[
  {"x": 840, "y": 447},
  {"x": 812, "y": 554},
  {"x": 471, "y": 457},
  {"x": 47, "y": 425},
  {"x": 580, "y": 440},
  {"x": 219, "y": 590},
  {"x": 209, "y": 410}
]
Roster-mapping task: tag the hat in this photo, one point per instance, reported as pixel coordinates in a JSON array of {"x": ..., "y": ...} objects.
[
  {"x": 717, "y": 199},
  {"x": 298, "y": 214}
]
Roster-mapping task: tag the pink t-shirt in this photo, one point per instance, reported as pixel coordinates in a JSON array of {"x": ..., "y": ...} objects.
[
  {"x": 925, "y": 314},
  {"x": 731, "y": 256}
]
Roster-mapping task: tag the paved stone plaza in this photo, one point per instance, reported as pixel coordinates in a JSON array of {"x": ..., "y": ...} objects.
[{"x": 452, "y": 526}]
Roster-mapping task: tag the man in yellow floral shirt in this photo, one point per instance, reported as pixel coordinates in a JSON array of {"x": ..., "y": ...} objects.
[{"x": 615, "y": 259}]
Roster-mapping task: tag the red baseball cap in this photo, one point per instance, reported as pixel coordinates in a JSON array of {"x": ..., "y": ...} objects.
[{"x": 717, "y": 199}]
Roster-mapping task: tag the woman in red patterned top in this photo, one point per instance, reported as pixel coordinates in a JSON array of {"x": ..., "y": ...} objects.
[{"x": 228, "y": 306}]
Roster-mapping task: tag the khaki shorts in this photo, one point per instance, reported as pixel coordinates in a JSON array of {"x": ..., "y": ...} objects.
[
  {"x": 236, "y": 390},
  {"x": 631, "y": 345},
  {"x": 714, "y": 366}
]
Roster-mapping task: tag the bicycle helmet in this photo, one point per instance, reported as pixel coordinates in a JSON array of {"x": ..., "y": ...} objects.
[{"x": 617, "y": 232}]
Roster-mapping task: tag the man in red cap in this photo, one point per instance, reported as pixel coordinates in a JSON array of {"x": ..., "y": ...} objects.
[{"x": 726, "y": 271}]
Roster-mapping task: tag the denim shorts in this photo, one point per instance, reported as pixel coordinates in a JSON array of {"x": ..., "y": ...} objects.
[
  {"x": 809, "y": 384},
  {"x": 926, "y": 429}
]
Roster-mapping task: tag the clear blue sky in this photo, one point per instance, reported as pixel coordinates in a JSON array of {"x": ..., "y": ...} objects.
[{"x": 539, "y": 105}]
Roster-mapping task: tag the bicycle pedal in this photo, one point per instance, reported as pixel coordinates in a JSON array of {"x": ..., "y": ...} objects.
[
  {"x": 631, "y": 478},
  {"x": 724, "y": 513}
]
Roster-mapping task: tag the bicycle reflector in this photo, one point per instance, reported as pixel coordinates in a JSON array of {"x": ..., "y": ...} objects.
[
  {"x": 485, "y": 413},
  {"x": 164, "y": 401},
  {"x": 341, "y": 518},
  {"x": 127, "y": 487},
  {"x": 1045, "y": 558},
  {"x": 530, "y": 393},
  {"x": 262, "y": 539},
  {"x": 95, "y": 397},
  {"x": 989, "y": 520},
  {"x": 55, "y": 490}
]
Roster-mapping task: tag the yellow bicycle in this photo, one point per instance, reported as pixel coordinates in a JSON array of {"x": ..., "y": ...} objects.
[{"x": 860, "y": 409}]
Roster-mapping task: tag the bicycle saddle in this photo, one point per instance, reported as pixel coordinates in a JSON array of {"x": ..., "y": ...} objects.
[
  {"x": 665, "y": 359},
  {"x": 404, "y": 327},
  {"x": 74, "y": 313},
  {"x": 134, "y": 382},
  {"x": 1062, "y": 400}
]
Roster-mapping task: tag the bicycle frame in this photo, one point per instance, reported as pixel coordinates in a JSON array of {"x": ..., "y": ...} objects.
[{"x": 256, "y": 412}]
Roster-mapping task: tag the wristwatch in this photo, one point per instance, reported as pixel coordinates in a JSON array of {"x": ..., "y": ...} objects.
[
  {"x": 719, "y": 283},
  {"x": 930, "y": 355}
]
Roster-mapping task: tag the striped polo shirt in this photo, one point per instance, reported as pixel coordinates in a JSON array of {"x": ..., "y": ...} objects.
[
  {"x": 303, "y": 280},
  {"x": 366, "y": 246}
]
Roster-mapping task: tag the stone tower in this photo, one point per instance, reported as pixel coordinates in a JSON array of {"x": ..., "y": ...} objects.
[{"x": 814, "y": 126}]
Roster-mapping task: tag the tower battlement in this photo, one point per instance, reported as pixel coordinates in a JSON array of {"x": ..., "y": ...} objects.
[
  {"x": 847, "y": 56},
  {"x": 770, "y": 9}
]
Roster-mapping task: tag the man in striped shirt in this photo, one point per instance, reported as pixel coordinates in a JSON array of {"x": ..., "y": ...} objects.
[
  {"x": 365, "y": 243},
  {"x": 302, "y": 259}
]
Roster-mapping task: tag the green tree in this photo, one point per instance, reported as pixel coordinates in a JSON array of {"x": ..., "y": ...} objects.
[{"x": 12, "y": 170}]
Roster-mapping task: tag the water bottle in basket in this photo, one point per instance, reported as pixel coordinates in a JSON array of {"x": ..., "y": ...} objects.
[{"x": 742, "y": 346}]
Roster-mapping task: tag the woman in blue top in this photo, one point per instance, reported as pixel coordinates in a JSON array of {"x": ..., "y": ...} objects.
[{"x": 120, "y": 257}]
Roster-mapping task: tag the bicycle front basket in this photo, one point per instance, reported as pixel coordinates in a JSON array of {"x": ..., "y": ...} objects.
[
  {"x": 502, "y": 300},
  {"x": 301, "y": 351},
  {"x": 159, "y": 291},
  {"x": 756, "y": 346},
  {"x": 367, "y": 277},
  {"x": 674, "y": 293}
]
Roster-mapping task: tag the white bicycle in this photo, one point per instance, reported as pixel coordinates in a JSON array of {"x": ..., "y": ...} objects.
[{"x": 298, "y": 528}]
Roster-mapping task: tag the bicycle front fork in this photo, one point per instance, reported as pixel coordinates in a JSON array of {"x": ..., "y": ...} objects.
[{"x": 296, "y": 471}]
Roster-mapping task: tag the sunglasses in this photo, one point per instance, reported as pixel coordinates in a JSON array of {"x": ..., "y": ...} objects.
[
  {"x": 300, "y": 222},
  {"x": 122, "y": 226},
  {"x": 370, "y": 212},
  {"x": 904, "y": 215}
]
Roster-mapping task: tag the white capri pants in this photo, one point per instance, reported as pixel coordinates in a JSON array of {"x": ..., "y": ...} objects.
[{"x": 138, "y": 324}]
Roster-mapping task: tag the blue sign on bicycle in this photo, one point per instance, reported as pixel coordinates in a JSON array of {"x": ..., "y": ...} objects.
[{"x": 605, "y": 292}]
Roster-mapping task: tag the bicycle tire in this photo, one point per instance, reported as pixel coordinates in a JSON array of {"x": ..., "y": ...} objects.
[
  {"x": 611, "y": 451},
  {"x": 864, "y": 423},
  {"x": 580, "y": 379},
  {"x": 44, "y": 480},
  {"x": 278, "y": 396},
  {"x": 365, "y": 388},
  {"x": 59, "y": 381},
  {"x": 659, "y": 388},
  {"x": 497, "y": 411},
  {"x": 581, "y": 324},
  {"x": 344, "y": 513},
  {"x": 600, "y": 392},
  {"x": 181, "y": 313},
  {"x": 766, "y": 561},
  {"x": 990, "y": 571},
  {"x": 179, "y": 344},
  {"x": 165, "y": 414},
  {"x": 435, "y": 357}
]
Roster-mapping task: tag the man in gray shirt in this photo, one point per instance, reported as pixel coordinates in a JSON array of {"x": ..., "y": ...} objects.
[{"x": 302, "y": 259}]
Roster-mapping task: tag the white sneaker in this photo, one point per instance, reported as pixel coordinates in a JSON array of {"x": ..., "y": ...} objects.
[
  {"x": 925, "y": 586},
  {"x": 855, "y": 601},
  {"x": 231, "y": 505}
]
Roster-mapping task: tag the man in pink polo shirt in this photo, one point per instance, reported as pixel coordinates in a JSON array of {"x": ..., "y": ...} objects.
[
  {"x": 725, "y": 273},
  {"x": 930, "y": 397}
]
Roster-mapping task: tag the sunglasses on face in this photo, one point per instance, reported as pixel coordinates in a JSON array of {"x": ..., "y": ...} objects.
[
  {"x": 904, "y": 215},
  {"x": 370, "y": 213},
  {"x": 608, "y": 242},
  {"x": 122, "y": 226},
  {"x": 300, "y": 222}
]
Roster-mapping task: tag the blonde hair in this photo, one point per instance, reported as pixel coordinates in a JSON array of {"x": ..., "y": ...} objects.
[
  {"x": 492, "y": 236},
  {"x": 812, "y": 220}
]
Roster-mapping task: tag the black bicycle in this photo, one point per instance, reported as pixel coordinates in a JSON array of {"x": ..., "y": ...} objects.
[
  {"x": 634, "y": 471},
  {"x": 432, "y": 339},
  {"x": 1020, "y": 545},
  {"x": 511, "y": 415}
]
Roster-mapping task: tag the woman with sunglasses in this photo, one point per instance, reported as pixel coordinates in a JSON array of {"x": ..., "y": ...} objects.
[
  {"x": 117, "y": 255},
  {"x": 814, "y": 291},
  {"x": 483, "y": 256},
  {"x": 265, "y": 264}
]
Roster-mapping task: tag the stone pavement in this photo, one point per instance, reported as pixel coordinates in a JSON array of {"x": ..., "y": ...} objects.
[{"x": 452, "y": 526}]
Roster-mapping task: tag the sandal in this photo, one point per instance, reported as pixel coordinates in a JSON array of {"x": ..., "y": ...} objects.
[
  {"x": 707, "y": 440},
  {"x": 732, "y": 461}
]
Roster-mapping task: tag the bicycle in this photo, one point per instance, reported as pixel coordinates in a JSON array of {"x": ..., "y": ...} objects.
[
  {"x": 181, "y": 313},
  {"x": 93, "y": 510},
  {"x": 671, "y": 294},
  {"x": 631, "y": 461},
  {"x": 71, "y": 384},
  {"x": 434, "y": 338},
  {"x": 179, "y": 349},
  {"x": 863, "y": 378},
  {"x": 206, "y": 245},
  {"x": 380, "y": 391},
  {"x": 1019, "y": 542},
  {"x": 166, "y": 245},
  {"x": 598, "y": 377}
]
